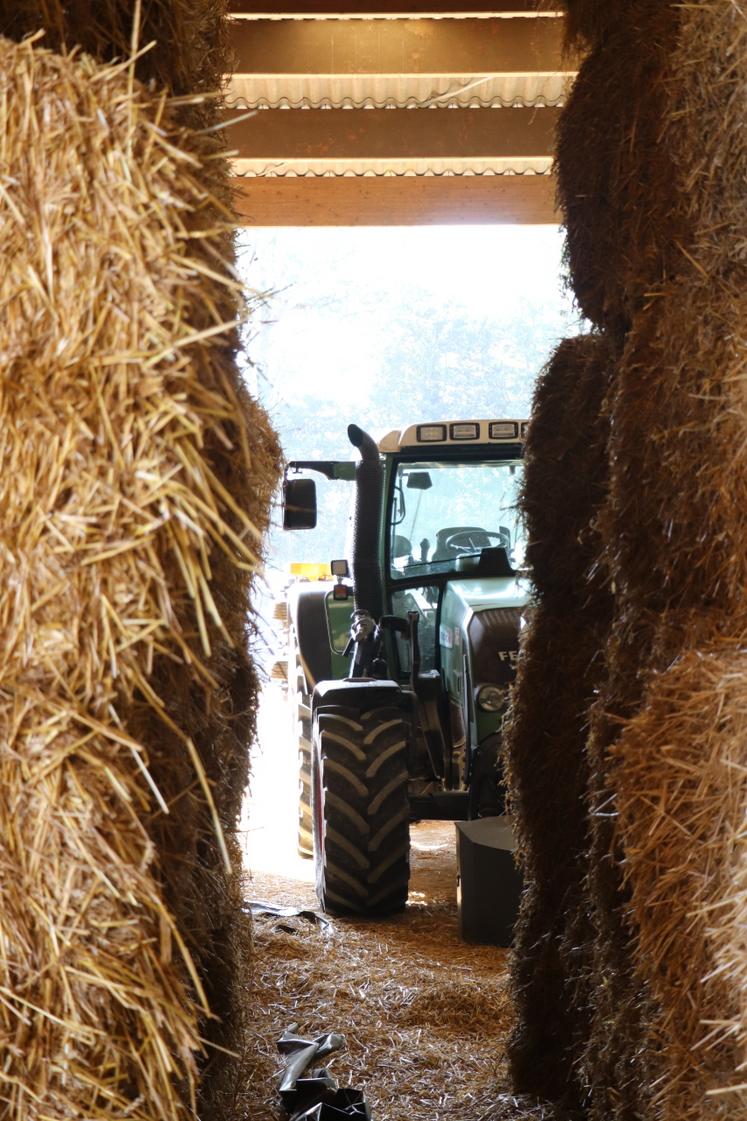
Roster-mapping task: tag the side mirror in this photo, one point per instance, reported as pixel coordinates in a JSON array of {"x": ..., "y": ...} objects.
[{"x": 299, "y": 504}]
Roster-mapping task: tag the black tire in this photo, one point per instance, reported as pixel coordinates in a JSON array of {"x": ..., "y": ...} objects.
[
  {"x": 301, "y": 708},
  {"x": 361, "y": 810}
]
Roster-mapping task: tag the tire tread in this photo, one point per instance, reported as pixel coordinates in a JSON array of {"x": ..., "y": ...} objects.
[{"x": 362, "y": 829}]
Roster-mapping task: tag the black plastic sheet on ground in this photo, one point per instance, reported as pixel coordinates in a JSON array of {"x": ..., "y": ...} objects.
[
  {"x": 310, "y": 1093},
  {"x": 260, "y": 907}
]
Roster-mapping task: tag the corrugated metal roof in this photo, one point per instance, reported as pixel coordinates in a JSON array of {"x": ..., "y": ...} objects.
[
  {"x": 236, "y": 12},
  {"x": 374, "y": 169},
  {"x": 513, "y": 87},
  {"x": 402, "y": 91}
]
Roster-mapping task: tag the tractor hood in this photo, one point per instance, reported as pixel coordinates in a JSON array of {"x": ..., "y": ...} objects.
[
  {"x": 488, "y": 593},
  {"x": 481, "y": 620}
]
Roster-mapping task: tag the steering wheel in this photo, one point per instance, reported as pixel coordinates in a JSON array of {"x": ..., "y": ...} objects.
[{"x": 472, "y": 540}]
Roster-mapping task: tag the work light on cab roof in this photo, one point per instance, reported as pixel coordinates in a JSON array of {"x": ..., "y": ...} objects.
[{"x": 454, "y": 432}]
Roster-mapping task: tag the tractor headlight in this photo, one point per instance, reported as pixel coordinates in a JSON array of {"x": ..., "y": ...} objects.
[{"x": 491, "y": 698}]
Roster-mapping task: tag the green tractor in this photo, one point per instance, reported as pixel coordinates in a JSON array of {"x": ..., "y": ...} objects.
[{"x": 402, "y": 676}]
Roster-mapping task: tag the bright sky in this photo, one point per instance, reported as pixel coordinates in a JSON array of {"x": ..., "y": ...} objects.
[
  {"x": 468, "y": 262},
  {"x": 332, "y": 286}
]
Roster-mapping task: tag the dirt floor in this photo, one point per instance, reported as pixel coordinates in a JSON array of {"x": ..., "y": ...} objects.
[{"x": 424, "y": 1014}]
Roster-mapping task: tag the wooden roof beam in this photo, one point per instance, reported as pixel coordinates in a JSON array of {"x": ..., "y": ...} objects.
[
  {"x": 418, "y": 46},
  {"x": 397, "y": 200},
  {"x": 393, "y": 134}
]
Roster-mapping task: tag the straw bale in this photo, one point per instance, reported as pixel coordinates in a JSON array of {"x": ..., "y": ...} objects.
[
  {"x": 619, "y": 1062},
  {"x": 616, "y": 1060},
  {"x": 677, "y": 527},
  {"x": 651, "y": 154},
  {"x": 120, "y": 416},
  {"x": 560, "y": 668},
  {"x": 677, "y": 519},
  {"x": 680, "y": 770},
  {"x": 623, "y": 215},
  {"x": 706, "y": 132},
  {"x": 180, "y": 47},
  {"x": 566, "y": 467},
  {"x": 190, "y": 37},
  {"x": 680, "y": 405},
  {"x": 612, "y": 1060}
]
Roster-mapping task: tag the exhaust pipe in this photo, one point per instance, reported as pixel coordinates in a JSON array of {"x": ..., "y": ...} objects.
[{"x": 369, "y": 481}]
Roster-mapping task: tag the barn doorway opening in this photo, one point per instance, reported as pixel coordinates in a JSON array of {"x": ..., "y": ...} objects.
[{"x": 384, "y": 327}]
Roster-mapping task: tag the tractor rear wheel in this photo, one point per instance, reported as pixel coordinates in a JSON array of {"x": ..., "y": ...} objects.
[{"x": 361, "y": 810}]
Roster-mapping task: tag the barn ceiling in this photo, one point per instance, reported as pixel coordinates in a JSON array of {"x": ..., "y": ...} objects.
[{"x": 395, "y": 112}]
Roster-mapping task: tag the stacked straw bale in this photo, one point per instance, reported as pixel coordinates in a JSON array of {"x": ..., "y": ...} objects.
[
  {"x": 678, "y": 553},
  {"x": 183, "y": 51},
  {"x": 559, "y": 670},
  {"x": 652, "y": 168},
  {"x": 136, "y": 486},
  {"x": 667, "y": 749}
]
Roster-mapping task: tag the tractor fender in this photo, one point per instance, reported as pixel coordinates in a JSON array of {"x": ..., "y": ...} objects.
[
  {"x": 361, "y": 693},
  {"x": 307, "y": 608}
]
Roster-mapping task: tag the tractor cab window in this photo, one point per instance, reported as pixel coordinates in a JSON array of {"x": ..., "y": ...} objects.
[{"x": 447, "y": 509}]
